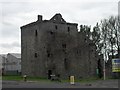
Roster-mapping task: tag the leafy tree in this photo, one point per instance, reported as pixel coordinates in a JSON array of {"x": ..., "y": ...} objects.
[
  {"x": 106, "y": 36},
  {"x": 86, "y": 30},
  {"x": 110, "y": 28},
  {"x": 96, "y": 38}
]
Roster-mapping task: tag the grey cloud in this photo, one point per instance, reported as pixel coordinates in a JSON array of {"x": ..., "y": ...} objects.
[
  {"x": 8, "y": 32},
  {"x": 16, "y": 14},
  {"x": 14, "y": 8},
  {"x": 10, "y": 45},
  {"x": 96, "y": 5},
  {"x": 6, "y": 23}
]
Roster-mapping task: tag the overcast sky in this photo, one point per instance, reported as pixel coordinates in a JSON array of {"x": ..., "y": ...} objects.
[{"x": 16, "y": 13}]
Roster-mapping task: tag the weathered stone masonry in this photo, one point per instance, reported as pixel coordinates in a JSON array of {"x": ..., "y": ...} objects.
[{"x": 56, "y": 47}]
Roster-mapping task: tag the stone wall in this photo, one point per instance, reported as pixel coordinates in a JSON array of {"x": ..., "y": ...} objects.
[{"x": 55, "y": 46}]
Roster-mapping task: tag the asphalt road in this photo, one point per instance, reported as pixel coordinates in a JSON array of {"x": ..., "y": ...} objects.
[{"x": 35, "y": 84}]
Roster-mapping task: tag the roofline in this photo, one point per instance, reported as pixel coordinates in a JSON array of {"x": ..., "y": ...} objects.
[
  {"x": 30, "y": 24},
  {"x": 14, "y": 55},
  {"x": 44, "y": 21}
]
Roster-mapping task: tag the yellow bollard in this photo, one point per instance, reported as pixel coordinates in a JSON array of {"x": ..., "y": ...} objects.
[{"x": 72, "y": 80}]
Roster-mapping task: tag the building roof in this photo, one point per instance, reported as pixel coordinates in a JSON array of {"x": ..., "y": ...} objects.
[
  {"x": 17, "y": 55},
  {"x": 3, "y": 55},
  {"x": 57, "y": 18}
]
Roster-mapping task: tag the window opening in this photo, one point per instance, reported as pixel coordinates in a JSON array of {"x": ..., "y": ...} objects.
[{"x": 36, "y": 55}]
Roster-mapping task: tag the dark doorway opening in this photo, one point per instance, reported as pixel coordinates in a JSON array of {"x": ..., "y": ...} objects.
[{"x": 49, "y": 74}]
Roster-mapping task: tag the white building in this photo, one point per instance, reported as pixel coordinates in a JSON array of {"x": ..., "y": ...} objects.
[
  {"x": 3, "y": 58},
  {"x": 11, "y": 63}
]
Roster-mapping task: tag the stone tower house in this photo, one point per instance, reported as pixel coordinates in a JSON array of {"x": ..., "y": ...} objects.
[{"x": 56, "y": 47}]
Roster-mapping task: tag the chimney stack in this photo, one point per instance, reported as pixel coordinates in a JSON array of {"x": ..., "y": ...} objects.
[{"x": 39, "y": 17}]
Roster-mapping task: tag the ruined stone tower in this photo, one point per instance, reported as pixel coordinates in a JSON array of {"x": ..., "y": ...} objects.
[{"x": 56, "y": 47}]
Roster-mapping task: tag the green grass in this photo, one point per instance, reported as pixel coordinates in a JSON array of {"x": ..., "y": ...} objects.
[
  {"x": 88, "y": 80},
  {"x": 20, "y": 78},
  {"x": 0, "y": 77},
  {"x": 10, "y": 77},
  {"x": 84, "y": 80}
]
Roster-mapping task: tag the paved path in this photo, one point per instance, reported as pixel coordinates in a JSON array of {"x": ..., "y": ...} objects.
[{"x": 31, "y": 84}]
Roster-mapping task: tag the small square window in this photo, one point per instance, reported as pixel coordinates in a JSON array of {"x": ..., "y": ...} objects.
[
  {"x": 56, "y": 27},
  {"x": 66, "y": 63},
  {"x": 48, "y": 55},
  {"x": 36, "y": 55},
  {"x": 36, "y": 33},
  {"x": 79, "y": 52},
  {"x": 64, "y": 45},
  {"x": 51, "y": 33},
  {"x": 68, "y": 29},
  {"x": 92, "y": 50}
]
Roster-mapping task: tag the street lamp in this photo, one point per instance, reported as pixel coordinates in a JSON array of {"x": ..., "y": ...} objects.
[{"x": 104, "y": 67}]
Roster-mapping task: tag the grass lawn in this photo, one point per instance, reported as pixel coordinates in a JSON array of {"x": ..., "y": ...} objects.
[
  {"x": 0, "y": 77},
  {"x": 20, "y": 78},
  {"x": 85, "y": 80}
]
